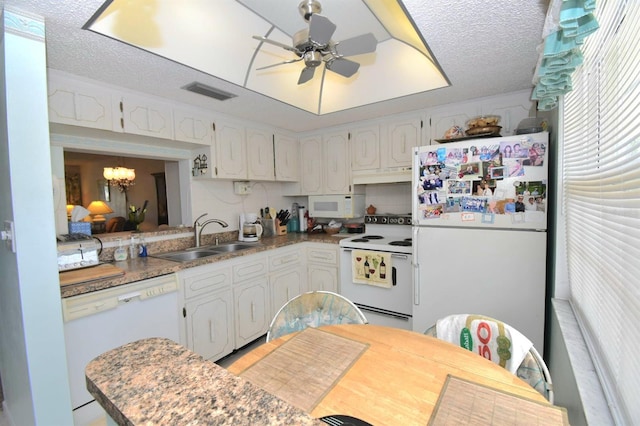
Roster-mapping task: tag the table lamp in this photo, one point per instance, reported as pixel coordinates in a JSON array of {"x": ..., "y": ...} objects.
[{"x": 98, "y": 209}]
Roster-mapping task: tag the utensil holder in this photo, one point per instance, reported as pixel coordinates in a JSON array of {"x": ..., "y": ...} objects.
[{"x": 269, "y": 227}]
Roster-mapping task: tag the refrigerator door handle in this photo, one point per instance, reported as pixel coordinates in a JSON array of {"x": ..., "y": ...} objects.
[
  {"x": 416, "y": 270},
  {"x": 393, "y": 276}
]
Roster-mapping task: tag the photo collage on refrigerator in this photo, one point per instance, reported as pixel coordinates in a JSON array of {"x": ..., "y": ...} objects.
[{"x": 489, "y": 177}]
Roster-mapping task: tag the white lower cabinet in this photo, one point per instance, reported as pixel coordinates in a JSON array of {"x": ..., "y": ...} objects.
[
  {"x": 286, "y": 276},
  {"x": 251, "y": 303},
  {"x": 322, "y": 267},
  {"x": 251, "y": 298},
  {"x": 228, "y": 304},
  {"x": 210, "y": 325},
  {"x": 208, "y": 310}
]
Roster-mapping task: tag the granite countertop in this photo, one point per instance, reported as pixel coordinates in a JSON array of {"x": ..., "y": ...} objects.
[
  {"x": 148, "y": 267},
  {"x": 157, "y": 381}
]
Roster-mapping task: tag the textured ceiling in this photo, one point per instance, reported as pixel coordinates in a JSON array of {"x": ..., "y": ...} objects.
[{"x": 484, "y": 48}]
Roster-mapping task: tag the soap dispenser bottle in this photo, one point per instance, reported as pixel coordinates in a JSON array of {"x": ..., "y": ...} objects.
[{"x": 121, "y": 252}]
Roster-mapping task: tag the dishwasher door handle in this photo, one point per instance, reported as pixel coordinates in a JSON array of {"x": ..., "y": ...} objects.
[{"x": 126, "y": 298}]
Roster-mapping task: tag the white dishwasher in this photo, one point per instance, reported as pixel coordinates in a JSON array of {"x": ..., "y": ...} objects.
[{"x": 100, "y": 321}]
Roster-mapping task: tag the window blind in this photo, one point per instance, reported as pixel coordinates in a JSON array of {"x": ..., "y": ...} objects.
[{"x": 601, "y": 204}]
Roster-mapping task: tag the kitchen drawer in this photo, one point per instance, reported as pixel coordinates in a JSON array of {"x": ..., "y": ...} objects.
[
  {"x": 323, "y": 253},
  {"x": 254, "y": 266},
  {"x": 284, "y": 258},
  {"x": 206, "y": 281}
]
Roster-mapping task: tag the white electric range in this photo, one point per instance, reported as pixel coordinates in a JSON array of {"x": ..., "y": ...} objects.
[{"x": 389, "y": 306}]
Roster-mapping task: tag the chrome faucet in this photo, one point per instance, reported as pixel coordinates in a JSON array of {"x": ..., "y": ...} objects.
[{"x": 198, "y": 227}]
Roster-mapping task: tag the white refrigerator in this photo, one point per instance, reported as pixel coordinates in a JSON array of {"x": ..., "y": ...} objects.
[{"x": 479, "y": 231}]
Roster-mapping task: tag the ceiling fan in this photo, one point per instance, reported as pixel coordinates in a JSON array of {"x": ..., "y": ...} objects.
[{"x": 314, "y": 46}]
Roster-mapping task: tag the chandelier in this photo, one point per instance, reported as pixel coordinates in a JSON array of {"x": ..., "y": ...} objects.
[{"x": 120, "y": 177}]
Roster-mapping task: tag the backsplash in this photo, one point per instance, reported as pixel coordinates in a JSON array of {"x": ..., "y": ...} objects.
[{"x": 390, "y": 198}]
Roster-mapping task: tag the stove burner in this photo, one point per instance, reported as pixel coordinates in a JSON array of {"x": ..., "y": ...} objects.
[
  {"x": 404, "y": 243},
  {"x": 372, "y": 237},
  {"x": 360, "y": 240},
  {"x": 408, "y": 239}
]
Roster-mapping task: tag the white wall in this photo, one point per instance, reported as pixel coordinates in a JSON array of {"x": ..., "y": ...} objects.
[{"x": 32, "y": 353}]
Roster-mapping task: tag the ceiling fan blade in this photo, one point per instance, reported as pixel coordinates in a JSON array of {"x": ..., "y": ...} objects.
[
  {"x": 365, "y": 43},
  {"x": 277, "y": 43},
  {"x": 344, "y": 67},
  {"x": 306, "y": 74},
  {"x": 278, "y": 64},
  {"x": 320, "y": 29}
]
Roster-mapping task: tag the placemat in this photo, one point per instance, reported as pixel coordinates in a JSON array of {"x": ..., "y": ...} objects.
[
  {"x": 305, "y": 368},
  {"x": 462, "y": 402}
]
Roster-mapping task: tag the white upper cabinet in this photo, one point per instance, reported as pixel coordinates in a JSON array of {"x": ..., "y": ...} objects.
[
  {"x": 260, "y": 154},
  {"x": 442, "y": 121},
  {"x": 337, "y": 163},
  {"x": 245, "y": 152},
  {"x": 403, "y": 135},
  {"x": 286, "y": 151},
  {"x": 311, "y": 168},
  {"x": 325, "y": 164},
  {"x": 230, "y": 148},
  {"x": 511, "y": 107},
  {"x": 79, "y": 104},
  {"x": 365, "y": 148},
  {"x": 192, "y": 127},
  {"x": 146, "y": 117}
]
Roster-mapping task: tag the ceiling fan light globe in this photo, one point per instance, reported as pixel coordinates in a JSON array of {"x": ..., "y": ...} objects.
[{"x": 312, "y": 58}]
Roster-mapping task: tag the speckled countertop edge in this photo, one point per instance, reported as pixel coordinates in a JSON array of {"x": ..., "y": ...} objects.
[
  {"x": 157, "y": 381},
  {"x": 144, "y": 268}
]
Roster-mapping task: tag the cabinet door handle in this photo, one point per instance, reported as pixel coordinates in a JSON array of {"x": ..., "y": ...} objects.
[
  {"x": 253, "y": 313},
  {"x": 212, "y": 332}
]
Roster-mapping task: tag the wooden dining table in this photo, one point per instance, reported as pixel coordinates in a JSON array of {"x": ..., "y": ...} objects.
[{"x": 385, "y": 375}]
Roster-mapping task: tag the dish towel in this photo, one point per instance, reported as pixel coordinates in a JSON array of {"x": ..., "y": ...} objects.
[
  {"x": 487, "y": 337},
  {"x": 372, "y": 268}
]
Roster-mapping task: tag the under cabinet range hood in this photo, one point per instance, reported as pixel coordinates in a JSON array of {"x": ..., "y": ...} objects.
[{"x": 391, "y": 175}]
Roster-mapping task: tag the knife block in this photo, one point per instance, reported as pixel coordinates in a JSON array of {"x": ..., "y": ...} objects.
[{"x": 280, "y": 229}]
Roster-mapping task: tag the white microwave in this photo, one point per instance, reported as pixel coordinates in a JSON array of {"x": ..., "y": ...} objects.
[{"x": 336, "y": 206}]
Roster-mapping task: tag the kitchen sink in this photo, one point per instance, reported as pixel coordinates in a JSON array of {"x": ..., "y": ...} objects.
[
  {"x": 203, "y": 252},
  {"x": 186, "y": 255},
  {"x": 231, "y": 247}
]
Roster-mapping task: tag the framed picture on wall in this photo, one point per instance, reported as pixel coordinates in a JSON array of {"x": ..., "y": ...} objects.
[{"x": 73, "y": 188}]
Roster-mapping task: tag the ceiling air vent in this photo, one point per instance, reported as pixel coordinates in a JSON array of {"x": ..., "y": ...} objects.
[{"x": 211, "y": 92}]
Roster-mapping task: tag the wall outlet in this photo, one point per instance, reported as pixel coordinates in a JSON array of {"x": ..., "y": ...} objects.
[{"x": 241, "y": 188}]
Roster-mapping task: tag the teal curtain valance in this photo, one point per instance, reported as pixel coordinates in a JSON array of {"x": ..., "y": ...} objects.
[{"x": 568, "y": 23}]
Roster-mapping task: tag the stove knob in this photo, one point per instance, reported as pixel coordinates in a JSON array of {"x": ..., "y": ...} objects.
[
  {"x": 401, "y": 221},
  {"x": 384, "y": 219}
]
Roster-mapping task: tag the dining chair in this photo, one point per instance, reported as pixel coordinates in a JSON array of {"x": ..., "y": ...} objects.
[
  {"x": 532, "y": 369},
  {"x": 314, "y": 309}
]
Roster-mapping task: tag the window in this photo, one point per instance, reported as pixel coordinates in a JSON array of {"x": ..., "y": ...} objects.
[{"x": 601, "y": 175}]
